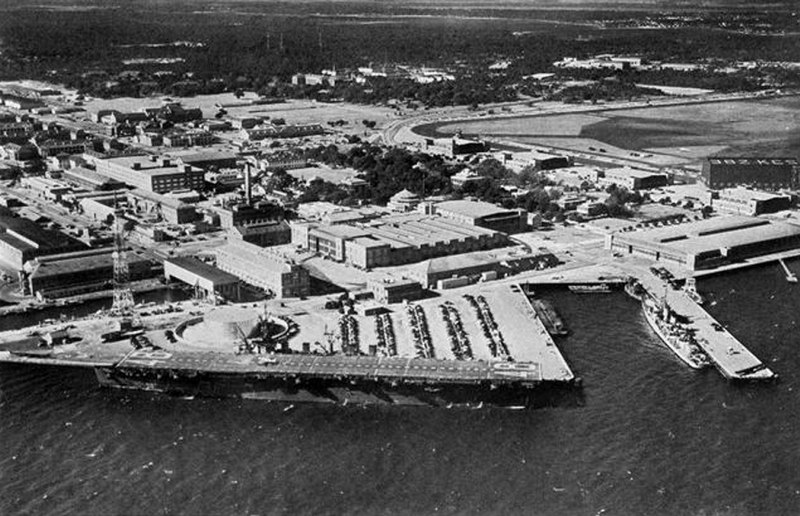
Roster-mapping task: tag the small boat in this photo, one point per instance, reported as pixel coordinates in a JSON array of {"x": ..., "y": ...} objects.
[{"x": 600, "y": 288}]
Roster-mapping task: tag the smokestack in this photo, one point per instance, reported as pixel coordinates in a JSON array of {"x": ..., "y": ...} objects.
[{"x": 248, "y": 188}]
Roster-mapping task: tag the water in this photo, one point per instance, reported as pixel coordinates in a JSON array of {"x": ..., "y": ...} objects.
[
  {"x": 14, "y": 321},
  {"x": 653, "y": 436}
]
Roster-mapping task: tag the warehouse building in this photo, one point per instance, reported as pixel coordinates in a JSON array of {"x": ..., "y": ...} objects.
[
  {"x": 764, "y": 173},
  {"x": 88, "y": 178},
  {"x": 171, "y": 210},
  {"x": 484, "y": 215},
  {"x": 634, "y": 179},
  {"x": 394, "y": 240},
  {"x": 100, "y": 209},
  {"x": 70, "y": 274},
  {"x": 390, "y": 290},
  {"x": 207, "y": 280},
  {"x": 708, "y": 243},
  {"x": 456, "y": 146},
  {"x": 22, "y": 240},
  {"x": 538, "y": 160},
  {"x": 266, "y": 270},
  {"x": 149, "y": 173},
  {"x": 263, "y": 234},
  {"x": 243, "y": 214},
  {"x": 473, "y": 267},
  {"x": 206, "y": 160},
  {"x": 743, "y": 201}
]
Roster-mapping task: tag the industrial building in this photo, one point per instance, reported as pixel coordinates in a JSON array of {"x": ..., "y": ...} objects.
[
  {"x": 75, "y": 273},
  {"x": 22, "y": 240},
  {"x": 46, "y": 188},
  {"x": 170, "y": 209},
  {"x": 244, "y": 214},
  {"x": 260, "y": 267},
  {"x": 474, "y": 266},
  {"x": 538, "y": 160},
  {"x": 634, "y": 179},
  {"x": 708, "y": 243},
  {"x": 744, "y": 201},
  {"x": 180, "y": 138},
  {"x": 455, "y": 146},
  {"x": 159, "y": 175},
  {"x": 764, "y": 173},
  {"x": 207, "y": 280},
  {"x": 206, "y": 160},
  {"x": 394, "y": 240},
  {"x": 100, "y": 209},
  {"x": 484, "y": 215},
  {"x": 280, "y": 131},
  {"x": 88, "y": 178},
  {"x": 390, "y": 290}
]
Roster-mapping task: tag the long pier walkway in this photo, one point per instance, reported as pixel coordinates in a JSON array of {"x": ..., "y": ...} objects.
[{"x": 730, "y": 356}]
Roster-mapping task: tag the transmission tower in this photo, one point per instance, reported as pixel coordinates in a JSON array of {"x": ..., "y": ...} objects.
[{"x": 123, "y": 297}]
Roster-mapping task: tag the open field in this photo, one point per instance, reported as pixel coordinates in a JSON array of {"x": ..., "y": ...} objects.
[
  {"x": 554, "y": 125},
  {"x": 293, "y": 111},
  {"x": 769, "y": 127}
]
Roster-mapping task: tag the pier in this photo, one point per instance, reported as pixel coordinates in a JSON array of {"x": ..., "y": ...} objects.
[{"x": 733, "y": 360}]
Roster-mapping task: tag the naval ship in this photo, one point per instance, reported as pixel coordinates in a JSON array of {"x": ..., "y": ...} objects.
[{"x": 187, "y": 350}]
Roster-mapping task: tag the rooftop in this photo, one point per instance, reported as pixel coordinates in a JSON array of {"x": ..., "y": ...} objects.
[
  {"x": 44, "y": 239},
  {"x": 746, "y": 194},
  {"x": 203, "y": 270},
  {"x": 716, "y": 233},
  {"x": 507, "y": 258},
  {"x": 83, "y": 263},
  {"x": 148, "y": 166},
  {"x": 330, "y": 175},
  {"x": 170, "y": 202},
  {"x": 631, "y": 172},
  {"x": 474, "y": 209},
  {"x": 721, "y": 160}
]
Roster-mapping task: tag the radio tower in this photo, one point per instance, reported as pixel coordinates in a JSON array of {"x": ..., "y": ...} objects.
[{"x": 123, "y": 297}]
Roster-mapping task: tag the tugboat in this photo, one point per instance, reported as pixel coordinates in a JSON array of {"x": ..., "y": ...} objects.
[{"x": 664, "y": 322}]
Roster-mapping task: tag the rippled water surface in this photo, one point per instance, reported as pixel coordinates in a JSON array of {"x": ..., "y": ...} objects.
[{"x": 651, "y": 437}]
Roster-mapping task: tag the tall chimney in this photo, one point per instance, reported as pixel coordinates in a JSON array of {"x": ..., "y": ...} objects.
[{"x": 248, "y": 188}]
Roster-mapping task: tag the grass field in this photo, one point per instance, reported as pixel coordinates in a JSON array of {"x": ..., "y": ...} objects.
[{"x": 769, "y": 127}]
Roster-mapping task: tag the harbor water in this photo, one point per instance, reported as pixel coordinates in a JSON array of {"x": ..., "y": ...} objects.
[{"x": 651, "y": 436}]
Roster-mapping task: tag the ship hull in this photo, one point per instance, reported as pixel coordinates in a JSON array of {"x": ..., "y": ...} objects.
[
  {"x": 680, "y": 353},
  {"x": 340, "y": 391}
]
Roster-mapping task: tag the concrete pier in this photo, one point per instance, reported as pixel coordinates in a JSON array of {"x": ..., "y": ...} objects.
[{"x": 730, "y": 356}]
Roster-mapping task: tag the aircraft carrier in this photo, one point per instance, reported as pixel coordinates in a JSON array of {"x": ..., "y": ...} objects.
[{"x": 408, "y": 354}]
